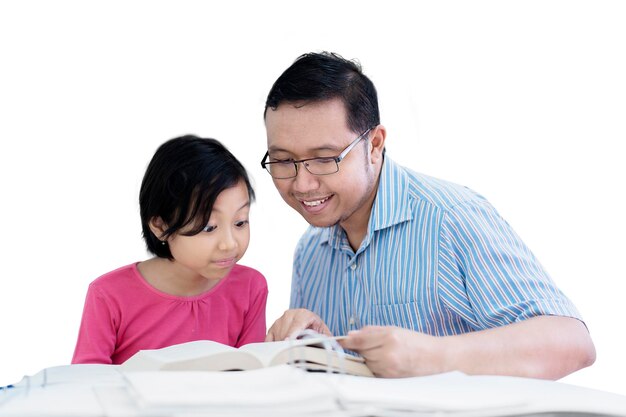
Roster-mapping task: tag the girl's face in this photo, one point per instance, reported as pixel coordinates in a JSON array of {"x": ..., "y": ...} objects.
[{"x": 213, "y": 252}]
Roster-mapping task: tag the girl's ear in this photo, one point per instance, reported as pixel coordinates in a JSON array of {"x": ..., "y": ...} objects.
[{"x": 157, "y": 226}]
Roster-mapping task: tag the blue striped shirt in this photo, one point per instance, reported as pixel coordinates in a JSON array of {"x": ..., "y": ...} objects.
[{"x": 437, "y": 258}]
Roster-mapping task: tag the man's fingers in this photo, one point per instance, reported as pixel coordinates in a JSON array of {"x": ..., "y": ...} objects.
[
  {"x": 294, "y": 321},
  {"x": 323, "y": 329},
  {"x": 305, "y": 321},
  {"x": 270, "y": 335},
  {"x": 277, "y": 331},
  {"x": 365, "y": 339}
]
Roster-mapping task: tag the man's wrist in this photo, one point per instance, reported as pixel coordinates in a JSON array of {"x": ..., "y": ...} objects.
[{"x": 449, "y": 354}]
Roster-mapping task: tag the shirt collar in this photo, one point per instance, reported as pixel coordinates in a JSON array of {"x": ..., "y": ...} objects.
[{"x": 391, "y": 206}]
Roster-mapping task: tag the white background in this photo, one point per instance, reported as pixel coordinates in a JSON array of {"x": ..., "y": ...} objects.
[{"x": 523, "y": 101}]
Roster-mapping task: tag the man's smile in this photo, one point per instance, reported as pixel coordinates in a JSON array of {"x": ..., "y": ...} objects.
[
  {"x": 313, "y": 203},
  {"x": 316, "y": 205}
]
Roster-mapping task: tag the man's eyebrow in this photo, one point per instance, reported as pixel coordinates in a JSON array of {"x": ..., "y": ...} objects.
[{"x": 272, "y": 149}]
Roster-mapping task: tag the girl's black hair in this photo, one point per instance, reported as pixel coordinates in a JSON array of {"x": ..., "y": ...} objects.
[{"x": 181, "y": 184}]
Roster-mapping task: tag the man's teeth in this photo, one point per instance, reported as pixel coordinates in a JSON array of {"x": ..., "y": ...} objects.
[{"x": 314, "y": 203}]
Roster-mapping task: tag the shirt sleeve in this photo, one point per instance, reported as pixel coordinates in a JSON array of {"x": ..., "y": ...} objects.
[
  {"x": 296, "y": 300},
  {"x": 97, "y": 335},
  {"x": 254, "y": 327},
  {"x": 488, "y": 275}
]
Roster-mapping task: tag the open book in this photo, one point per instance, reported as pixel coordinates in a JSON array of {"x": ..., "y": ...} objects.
[{"x": 207, "y": 355}]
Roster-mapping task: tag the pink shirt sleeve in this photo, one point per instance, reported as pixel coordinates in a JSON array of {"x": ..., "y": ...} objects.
[
  {"x": 97, "y": 334},
  {"x": 254, "y": 328}
]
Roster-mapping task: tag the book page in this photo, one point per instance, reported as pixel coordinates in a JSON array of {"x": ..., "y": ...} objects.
[
  {"x": 448, "y": 392},
  {"x": 317, "y": 359},
  {"x": 200, "y": 355},
  {"x": 77, "y": 373},
  {"x": 457, "y": 394},
  {"x": 307, "y": 354},
  {"x": 266, "y": 352},
  {"x": 67, "y": 400}
]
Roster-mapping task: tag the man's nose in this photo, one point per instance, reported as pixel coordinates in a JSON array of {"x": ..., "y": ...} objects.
[{"x": 305, "y": 181}]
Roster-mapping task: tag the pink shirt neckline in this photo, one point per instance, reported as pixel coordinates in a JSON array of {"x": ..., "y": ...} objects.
[{"x": 163, "y": 294}]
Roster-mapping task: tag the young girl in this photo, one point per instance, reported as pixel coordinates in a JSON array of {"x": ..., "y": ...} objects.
[{"x": 194, "y": 202}]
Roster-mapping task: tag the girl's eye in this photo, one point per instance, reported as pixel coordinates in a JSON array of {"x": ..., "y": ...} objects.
[
  {"x": 209, "y": 228},
  {"x": 242, "y": 223}
]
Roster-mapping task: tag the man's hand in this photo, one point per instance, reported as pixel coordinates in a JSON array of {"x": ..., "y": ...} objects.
[
  {"x": 548, "y": 347},
  {"x": 394, "y": 352},
  {"x": 293, "y": 321}
]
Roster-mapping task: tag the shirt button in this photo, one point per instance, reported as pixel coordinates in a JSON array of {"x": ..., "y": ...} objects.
[
  {"x": 351, "y": 321},
  {"x": 353, "y": 266}
]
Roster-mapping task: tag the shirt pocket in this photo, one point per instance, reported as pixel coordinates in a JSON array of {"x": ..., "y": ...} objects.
[{"x": 406, "y": 315}]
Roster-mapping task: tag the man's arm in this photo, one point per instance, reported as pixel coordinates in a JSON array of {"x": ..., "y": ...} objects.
[
  {"x": 547, "y": 347},
  {"x": 293, "y": 321}
]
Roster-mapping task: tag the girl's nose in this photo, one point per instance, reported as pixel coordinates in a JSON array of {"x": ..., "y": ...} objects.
[{"x": 227, "y": 241}]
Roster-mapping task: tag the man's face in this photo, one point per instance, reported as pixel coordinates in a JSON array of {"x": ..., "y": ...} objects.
[{"x": 320, "y": 130}]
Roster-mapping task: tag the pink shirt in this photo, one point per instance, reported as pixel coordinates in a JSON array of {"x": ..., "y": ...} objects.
[{"x": 123, "y": 314}]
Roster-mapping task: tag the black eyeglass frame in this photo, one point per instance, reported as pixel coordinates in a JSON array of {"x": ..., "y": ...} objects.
[{"x": 337, "y": 159}]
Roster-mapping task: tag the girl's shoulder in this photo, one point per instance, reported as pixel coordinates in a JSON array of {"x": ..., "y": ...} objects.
[
  {"x": 242, "y": 272},
  {"x": 119, "y": 276}
]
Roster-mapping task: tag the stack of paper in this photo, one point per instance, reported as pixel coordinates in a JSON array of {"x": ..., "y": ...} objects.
[
  {"x": 279, "y": 390},
  {"x": 62, "y": 391},
  {"x": 459, "y": 395}
]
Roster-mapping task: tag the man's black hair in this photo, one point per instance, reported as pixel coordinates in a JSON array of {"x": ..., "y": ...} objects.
[{"x": 316, "y": 77}]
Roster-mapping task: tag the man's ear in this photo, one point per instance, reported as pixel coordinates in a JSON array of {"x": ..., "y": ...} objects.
[
  {"x": 157, "y": 226},
  {"x": 377, "y": 143}
]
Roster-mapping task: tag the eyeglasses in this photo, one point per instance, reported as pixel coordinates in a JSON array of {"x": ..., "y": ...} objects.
[{"x": 317, "y": 166}]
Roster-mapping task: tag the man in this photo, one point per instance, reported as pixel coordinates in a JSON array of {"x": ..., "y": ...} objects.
[{"x": 423, "y": 275}]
